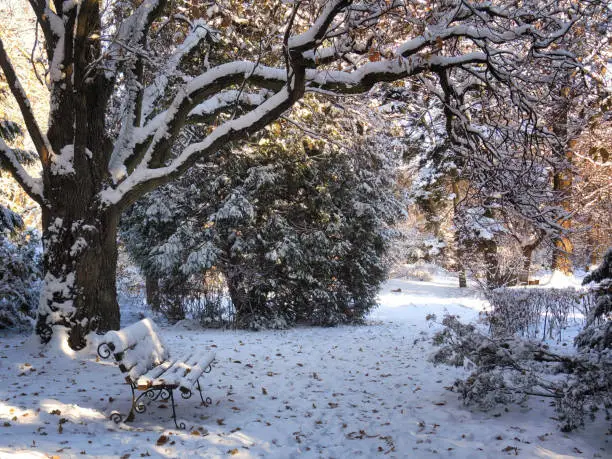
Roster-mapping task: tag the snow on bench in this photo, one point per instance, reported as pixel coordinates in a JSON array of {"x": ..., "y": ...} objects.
[{"x": 143, "y": 356}]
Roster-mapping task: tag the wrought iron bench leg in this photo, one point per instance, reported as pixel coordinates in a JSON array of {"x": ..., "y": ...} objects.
[
  {"x": 131, "y": 415},
  {"x": 117, "y": 417},
  {"x": 182, "y": 424},
  {"x": 208, "y": 400}
]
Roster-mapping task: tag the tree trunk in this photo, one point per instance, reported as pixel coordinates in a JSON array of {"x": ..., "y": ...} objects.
[
  {"x": 246, "y": 297},
  {"x": 152, "y": 291},
  {"x": 460, "y": 252},
  {"x": 80, "y": 262},
  {"x": 562, "y": 182},
  {"x": 527, "y": 252},
  {"x": 79, "y": 234},
  {"x": 563, "y": 247},
  {"x": 238, "y": 296},
  {"x": 493, "y": 276},
  {"x": 462, "y": 277}
]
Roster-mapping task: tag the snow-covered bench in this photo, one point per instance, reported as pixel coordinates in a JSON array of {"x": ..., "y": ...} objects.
[{"x": 145, "y": 360}]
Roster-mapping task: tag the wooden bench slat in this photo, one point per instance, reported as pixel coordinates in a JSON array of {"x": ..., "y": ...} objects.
[
  {"x": 165, "y": 376},
  {"x": 173, "y": 375},
  {"x": 145, "y": 381},
  {"x": 189, "y": 379}
]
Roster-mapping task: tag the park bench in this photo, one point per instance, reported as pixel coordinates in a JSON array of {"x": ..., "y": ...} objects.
[{"x": 145, "y": 360}]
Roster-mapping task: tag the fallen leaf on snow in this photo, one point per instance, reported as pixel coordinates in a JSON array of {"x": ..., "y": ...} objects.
[{"x": 162, "y": 440}]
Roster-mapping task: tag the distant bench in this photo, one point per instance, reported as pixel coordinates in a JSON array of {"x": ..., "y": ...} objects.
[{"x": 144, "y": 359}]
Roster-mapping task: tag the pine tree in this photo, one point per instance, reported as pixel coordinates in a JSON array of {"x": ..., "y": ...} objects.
[{"x": 299, "y": 230}]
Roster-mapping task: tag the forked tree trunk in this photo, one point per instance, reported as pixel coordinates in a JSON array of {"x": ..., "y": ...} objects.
[{"x": 79, "y": 233}]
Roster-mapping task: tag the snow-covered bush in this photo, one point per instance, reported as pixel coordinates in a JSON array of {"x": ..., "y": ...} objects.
[
  {"x": 20, "y": 277},
  {"x": 597, "y": 334},
  {"x": 533, "y": 312},
  {"x": 508, "y": 369},
  {"x": 419, "y": 271},
  {"x": 298, "y": 230}
]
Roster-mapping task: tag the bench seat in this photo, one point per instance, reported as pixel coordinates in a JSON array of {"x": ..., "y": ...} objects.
[{"x": 182, "y": 374}]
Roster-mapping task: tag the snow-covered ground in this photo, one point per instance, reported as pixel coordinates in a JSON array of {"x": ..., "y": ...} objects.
[{"x": 363, "y": 391}]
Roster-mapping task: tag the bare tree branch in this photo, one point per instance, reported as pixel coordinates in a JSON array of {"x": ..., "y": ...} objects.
[{"x": 41, "y": 143}]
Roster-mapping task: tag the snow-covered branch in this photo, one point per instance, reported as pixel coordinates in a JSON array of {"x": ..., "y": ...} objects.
[
  {"x": 207, "y": 110},
  {"x": 50, "y": 23},
  {"x": 9, "y": 161},
  {"x": 199, "y": 32}
]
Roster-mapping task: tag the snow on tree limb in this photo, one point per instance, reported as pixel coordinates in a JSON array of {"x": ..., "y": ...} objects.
[
  {"x": 9, "y": 161},
  {"x": 152, "y": 93},
  {"x": 50, "y": 23},
  {"x": 477, "y": 34},
  {"x": 207, "y": 110}
]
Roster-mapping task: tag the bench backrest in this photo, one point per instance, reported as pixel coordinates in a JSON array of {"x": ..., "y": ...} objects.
[{"x": 137, "y": 348}]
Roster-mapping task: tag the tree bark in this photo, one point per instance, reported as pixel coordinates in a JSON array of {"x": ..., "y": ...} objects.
[
  {"x": 563, "y": 247},
  {"x": 562, "y": 182},
  {"x": 152, "y": 292},
  {"x": 80, "y": 262},
  {"x": 493, "y": 276},
  {"x": 527, "y": 252},
  {"x": 460, "y": 252}
]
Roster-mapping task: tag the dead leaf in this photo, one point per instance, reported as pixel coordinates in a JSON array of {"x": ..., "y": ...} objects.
[
  {"x": 162, "y": 440},
  {"x": 509, "y": 448}
]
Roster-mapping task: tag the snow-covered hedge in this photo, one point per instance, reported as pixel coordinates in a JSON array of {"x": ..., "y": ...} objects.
[
  {"x": 534, "y": 312},
  {"x": 20, "y": 277}
]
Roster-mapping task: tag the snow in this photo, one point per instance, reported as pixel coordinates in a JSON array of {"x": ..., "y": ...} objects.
[
  {"x": 350, "y": 391},
  {"x": 63, "y": 163},
  {"x": 558, "y": 279}
]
